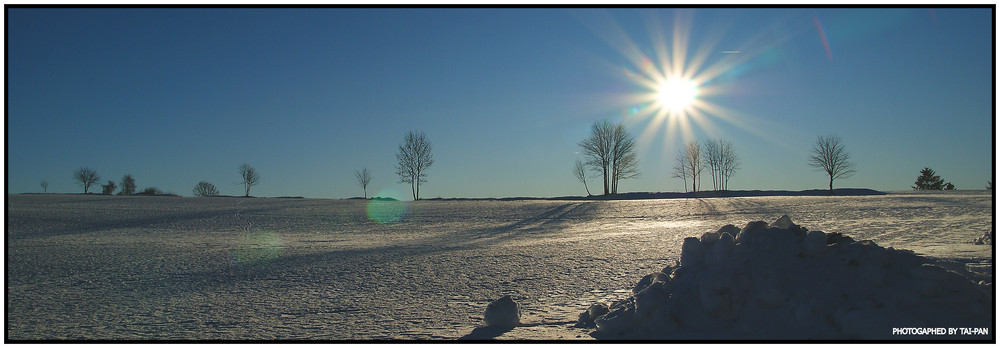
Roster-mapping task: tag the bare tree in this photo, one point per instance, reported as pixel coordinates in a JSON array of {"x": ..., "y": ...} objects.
[
  {"x": 45, "y": 186},
  {"x": 830, "y": 156},
  {"x": 624, "y": 160},
  {"x": 721, "y": 160},
  {"x": 712, "y": 153},
  {"x": 128, "y": 185},
  {"x": 580, "y": 172},
  {"x": 610, "y": 151},
  {"x": 729, "y": 163},
  {"x": 694, "y": 165},
  {"x": 598, "y": 150},
  {"x": 250, "y": 177},
  {"x": 205, "y": 189},
  {"x": 414, "y": 158},
  {"x": 86, "y": 177},
  {"x": 364, "y": 177},
  {"x": 680, "y": 170}
]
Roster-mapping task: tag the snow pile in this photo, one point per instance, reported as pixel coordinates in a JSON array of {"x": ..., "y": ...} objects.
[{"x": 781, "y": 281}]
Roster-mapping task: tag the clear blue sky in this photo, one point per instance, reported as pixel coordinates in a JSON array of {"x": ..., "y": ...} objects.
[{"x": 308, "y": 96}]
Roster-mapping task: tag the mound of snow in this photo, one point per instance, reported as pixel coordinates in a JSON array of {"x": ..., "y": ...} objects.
[{"x": 782, "y": 281}]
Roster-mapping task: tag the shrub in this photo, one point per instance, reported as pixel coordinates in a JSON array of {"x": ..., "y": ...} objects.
[
  {"x": 204, "y": 189},
  {"x": 108, "y": 188},
  {"x": 150, "y": 191}
]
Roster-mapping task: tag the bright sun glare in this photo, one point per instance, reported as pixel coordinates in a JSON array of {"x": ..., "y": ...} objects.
[
  {"x": 676, "y": 95},
  {"x": 677, "y": 83}
]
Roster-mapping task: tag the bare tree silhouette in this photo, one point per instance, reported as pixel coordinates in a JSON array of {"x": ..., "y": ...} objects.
[
  {"x": 694, "y": 164},
  {"x": 128, "y": 185},
  {"x": 363, "y": 177},
  {"x": 414, "y": 158},
  {"x": 610, "y": 151},
  {"x": 597, "y": 149},
  {"x": 729, "y": 163},
  {"x": 712, "y": 153},
  {"x": 250, "y": 177},
  {"x": 681, "y": 169},
  {"x": 580, "y": 172},
  {"x": 830, "y": 156},
  {"x": 86, "y": 177},
  {"x": 45, "y": 186},
  {"x": 624, "y": 160}
]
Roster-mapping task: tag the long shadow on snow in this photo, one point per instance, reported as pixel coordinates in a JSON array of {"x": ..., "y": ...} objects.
[
  {"x": 327, "y": 264},
  {"x": 548, "y": 222}
]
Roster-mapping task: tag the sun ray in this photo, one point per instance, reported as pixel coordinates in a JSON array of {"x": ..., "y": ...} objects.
[{"x": 677, "y": 83}]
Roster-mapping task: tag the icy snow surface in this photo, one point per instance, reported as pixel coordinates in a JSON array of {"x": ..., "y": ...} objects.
[{"x": 100, "y": 267}]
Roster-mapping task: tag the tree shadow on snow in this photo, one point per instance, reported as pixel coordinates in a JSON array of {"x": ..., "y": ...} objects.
[{"x": 487, "y": 332}]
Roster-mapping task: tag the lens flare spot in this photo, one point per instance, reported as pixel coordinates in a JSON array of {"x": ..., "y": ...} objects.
[
  {"x": 386, "y": 207},
  {"x": 258, "y": 248}
]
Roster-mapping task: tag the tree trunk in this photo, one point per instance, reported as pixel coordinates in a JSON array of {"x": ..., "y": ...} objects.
[
  {"x": 614, "y": 178},
  {"x": 605, "y": 181},
  {"x": 831, "y": 185},
  {"x": 585, "y": 186}
]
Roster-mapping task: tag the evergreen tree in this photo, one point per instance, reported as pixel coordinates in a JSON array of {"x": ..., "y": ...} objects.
[{"x": 928, "y": 181}]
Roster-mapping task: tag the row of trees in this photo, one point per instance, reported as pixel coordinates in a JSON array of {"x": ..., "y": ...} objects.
[
  {"x": 413, "y": 160},
  {"x": 718, "y": 156},
  {"x": 610, "y": 151},
  {"x": 87, "y": 177}
]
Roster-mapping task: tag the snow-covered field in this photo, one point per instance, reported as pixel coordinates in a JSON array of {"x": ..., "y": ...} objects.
[{"x": 101, "y": 267}]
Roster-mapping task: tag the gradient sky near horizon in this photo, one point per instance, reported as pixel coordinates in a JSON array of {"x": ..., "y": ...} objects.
[{"x": 308, "y": 96}]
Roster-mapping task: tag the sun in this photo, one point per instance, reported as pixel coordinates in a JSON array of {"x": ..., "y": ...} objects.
[{"x": 676, "y": 95}]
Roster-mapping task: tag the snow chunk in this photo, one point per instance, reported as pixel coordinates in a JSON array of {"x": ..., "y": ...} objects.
[
  {"x": 503, "y": 312},
  {"x": 692, "y": 252},
  {"x": 588, "y": 316},
  {"x": 784, "y": 222},
  {"x": 730, "y": 229},
  {"x": 986, "y": 238},
  {"x": 781, "y": 281},
  {"x": 814, "y": 242}
]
